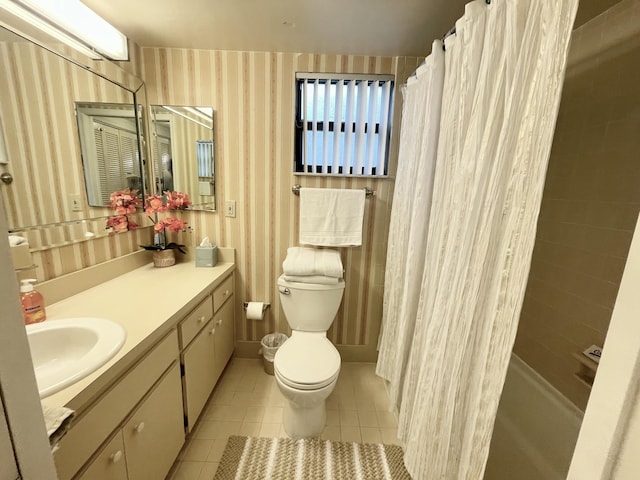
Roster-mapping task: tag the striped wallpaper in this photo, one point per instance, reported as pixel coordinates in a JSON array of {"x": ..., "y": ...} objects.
[
  {"x": 37, "y": 94},
  {"x": 253, "y": 96},
  {"x": 38, "y": 91}
]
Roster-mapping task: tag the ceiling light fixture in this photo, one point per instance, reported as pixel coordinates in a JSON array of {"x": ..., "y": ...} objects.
[
  {"x": 73, "y": 23},
  {"x": 199, "y": 113},
  {"x": 179, "y": 113}
]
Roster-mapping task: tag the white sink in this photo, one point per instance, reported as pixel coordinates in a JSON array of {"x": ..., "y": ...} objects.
[{"x": 67, "y": 350}]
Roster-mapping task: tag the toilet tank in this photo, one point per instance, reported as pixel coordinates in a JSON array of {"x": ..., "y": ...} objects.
[{"x": 310, "y": 307}]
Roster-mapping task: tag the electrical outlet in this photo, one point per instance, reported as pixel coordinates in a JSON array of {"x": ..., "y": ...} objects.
[
  {"x": 76, "y": 202},
  {"x": 230, "y": 208}
]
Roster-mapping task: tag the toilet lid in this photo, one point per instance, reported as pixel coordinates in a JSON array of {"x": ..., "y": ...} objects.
[{"x": 307, "y": 362}]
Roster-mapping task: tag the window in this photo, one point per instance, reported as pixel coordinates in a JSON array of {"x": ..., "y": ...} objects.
[{"x": 343, "y": 123}]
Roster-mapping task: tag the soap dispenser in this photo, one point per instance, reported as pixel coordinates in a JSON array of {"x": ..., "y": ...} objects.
[{"x": 32, "y": 302}]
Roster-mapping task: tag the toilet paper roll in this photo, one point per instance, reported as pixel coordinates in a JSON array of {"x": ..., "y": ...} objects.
[{"x": 255, "y": 310}]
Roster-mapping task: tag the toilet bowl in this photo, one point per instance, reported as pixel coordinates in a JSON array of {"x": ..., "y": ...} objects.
[
  {"x": 306, "y": 368},
  {"x": 307, "y": 365}
]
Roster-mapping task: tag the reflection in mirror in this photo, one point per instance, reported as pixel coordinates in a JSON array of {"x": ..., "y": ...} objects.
[
  {"x": 109, "y": 147},
  {"x": 182, "y": 150},
  {"x": 39, "y": 91}
]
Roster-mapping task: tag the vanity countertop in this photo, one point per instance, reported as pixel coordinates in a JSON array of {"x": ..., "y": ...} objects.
[{"x": 148, "y": 302}]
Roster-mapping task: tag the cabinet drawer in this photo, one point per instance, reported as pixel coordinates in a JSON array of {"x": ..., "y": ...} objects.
[
  {"x": 224, "y": 337},
  {"x": 222, "y": 292},
  {"x": 109, "y": 464},
  {"x": 90, "y": 430},
  {"x": 154, "y": 434},
  {"x": 194, "y": 322},
  {"x": 199, "y": 374}
]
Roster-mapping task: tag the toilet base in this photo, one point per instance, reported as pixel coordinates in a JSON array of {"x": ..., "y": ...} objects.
[{"x": 304, "y": 422}]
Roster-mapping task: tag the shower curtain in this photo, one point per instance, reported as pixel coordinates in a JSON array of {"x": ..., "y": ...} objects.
[{"x": 474, "y": 147}]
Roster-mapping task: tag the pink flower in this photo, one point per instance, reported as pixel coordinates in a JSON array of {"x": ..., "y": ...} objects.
[
  {"x": 174, "y": 224},
  {"x": 155, "y": 204},
  {"x": 120, "y": 224},
  {"x": 177, "y": 200},
  {"x": 125, "y": 201}
]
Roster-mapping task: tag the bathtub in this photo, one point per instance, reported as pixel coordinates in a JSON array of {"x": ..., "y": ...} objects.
[{"x": 536, "y": 429}]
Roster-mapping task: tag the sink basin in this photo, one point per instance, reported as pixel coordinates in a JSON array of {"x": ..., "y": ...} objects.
[{"x": 67, "y": 350}]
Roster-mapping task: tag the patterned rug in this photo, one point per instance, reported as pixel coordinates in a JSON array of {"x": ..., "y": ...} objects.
[{"x": 251, "y": 458}]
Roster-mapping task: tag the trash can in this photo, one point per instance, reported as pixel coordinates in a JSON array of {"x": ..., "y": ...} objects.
[{"x": 270, "y": 344}]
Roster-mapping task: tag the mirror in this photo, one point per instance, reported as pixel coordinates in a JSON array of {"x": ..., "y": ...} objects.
[
  {"x": 108, "y": 141},
  {"x": 41, "y": 92},
  {"x": 183, "y": 152}
]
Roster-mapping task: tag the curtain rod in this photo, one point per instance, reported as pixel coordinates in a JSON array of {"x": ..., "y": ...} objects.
[
  {"x": 367, "y": 191},
  {"x": 452, "y": 30}
]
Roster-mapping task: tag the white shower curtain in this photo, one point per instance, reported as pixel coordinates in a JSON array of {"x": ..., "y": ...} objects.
[
  {"x": 447, "y": 338},
  {"x": 409, "y": 218}
]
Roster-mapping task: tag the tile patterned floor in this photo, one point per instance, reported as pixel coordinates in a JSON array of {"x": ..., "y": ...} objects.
[{"x": 247, "y": 401}]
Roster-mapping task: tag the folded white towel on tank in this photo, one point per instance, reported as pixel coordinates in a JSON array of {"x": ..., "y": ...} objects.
[
  {"x": 319, "y": 279},
  {"x": 302, "y": 261}
]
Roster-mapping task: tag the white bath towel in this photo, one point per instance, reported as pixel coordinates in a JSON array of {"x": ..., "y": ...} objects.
[
  {"x": 331, "y": 217},
  {"x": 302, "y": 261},
  {"x": 319, "y": 279},
  {"x": 16, "y": 240},
  {"x": 57, "y": 420}
]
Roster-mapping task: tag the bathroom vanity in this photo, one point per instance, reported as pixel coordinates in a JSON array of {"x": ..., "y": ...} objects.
[{"x": 133, "y": 413}]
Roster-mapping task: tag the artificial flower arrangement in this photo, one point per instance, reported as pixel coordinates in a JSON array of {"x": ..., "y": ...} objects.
[
  {"x": 156, "y": 204},
  {"x": 125, "y": 202}
]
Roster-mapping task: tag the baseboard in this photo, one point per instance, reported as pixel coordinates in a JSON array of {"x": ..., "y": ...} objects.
[{"x": 246, "y": 349}]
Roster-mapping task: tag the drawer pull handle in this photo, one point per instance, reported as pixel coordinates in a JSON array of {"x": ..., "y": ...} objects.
[
  {"x": 201, "y": 319},
  {"x": 139, "y": 427},
  {"x": 226, "y": 292},
  {"x": 116, "y": 457},
  {"x": 219, "y": 322},
  {"x": 213, "y": 330}
]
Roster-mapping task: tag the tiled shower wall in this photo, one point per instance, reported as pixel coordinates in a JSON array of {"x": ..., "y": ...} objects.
[{"x": 590, "y": 204}]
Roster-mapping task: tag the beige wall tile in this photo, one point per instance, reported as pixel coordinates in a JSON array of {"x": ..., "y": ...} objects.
[{"x": 588, "y": 213}]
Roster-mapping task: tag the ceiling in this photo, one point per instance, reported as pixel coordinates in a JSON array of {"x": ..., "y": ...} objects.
[{"x": 358, "y": 27}]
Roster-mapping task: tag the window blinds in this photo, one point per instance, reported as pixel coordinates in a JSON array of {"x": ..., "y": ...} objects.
[
  {"x": 343, "y": 123},
  {"x": 204, "y": 153}
]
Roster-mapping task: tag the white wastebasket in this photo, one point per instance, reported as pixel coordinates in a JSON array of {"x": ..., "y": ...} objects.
[{"x": 270, "y": 345}]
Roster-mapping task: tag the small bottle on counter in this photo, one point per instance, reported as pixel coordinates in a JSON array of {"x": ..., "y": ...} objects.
[{"x": 32, "y": 303}]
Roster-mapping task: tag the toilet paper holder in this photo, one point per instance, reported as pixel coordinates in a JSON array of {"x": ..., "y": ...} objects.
[{"x": 264, "y": 306}]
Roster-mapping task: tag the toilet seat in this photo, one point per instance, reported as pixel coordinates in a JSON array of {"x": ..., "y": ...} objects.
[{"x": 307, "y": 361}]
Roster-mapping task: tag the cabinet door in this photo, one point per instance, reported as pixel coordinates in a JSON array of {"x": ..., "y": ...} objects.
[
  {"x": 224, "y": 337},
  {"x": 199, "y": 372},
  {"x": 154, "y": 434},
  {"x": 109, "y": 464}
]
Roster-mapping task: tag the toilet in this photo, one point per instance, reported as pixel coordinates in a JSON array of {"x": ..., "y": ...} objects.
[{"x": 307, "y": 365}]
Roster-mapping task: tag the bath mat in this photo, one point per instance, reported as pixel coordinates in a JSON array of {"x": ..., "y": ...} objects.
[{"x": 253, "y": 458}]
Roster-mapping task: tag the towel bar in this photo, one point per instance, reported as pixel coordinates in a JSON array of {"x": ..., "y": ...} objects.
[{"x": 367, "y": 191}]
